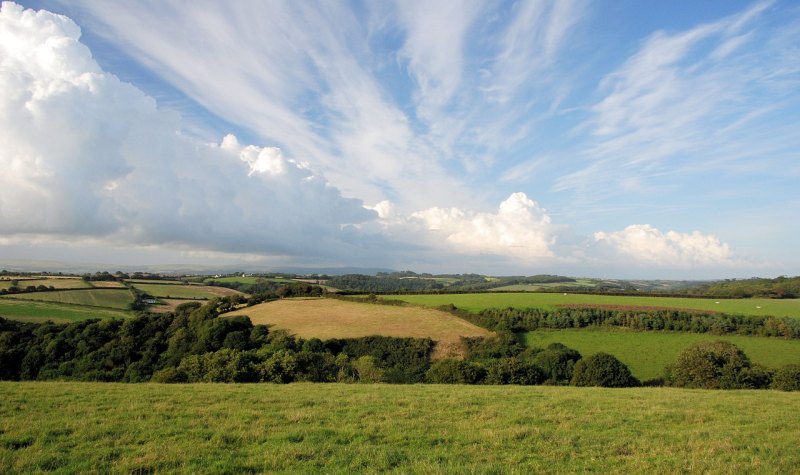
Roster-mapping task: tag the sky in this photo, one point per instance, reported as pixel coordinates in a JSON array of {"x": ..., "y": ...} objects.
[{"x": 622, "y": 139}]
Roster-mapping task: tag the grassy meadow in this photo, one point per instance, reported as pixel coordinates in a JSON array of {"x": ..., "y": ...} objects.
[
  {"x": 479, "y": 301},
  {"x": 185, "y": 291},
  {"x": 39, "y": 312},
  {"x": 336, "y": 428},
  {"x": 330, "y": 318},
  {"x": 249, "y": 280},
  {"x": 647, "y": 353},
  {"x": 109, "y": 298},
  {"x": 56, "y": 282}
]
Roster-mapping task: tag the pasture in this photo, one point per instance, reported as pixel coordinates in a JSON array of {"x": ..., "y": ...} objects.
[
  {"x": 56, "y": 282},
  {"x": 648, "y": 353},
  {"x": 249, "y": 280},
  {"x": 549, "y": 285},
  {"x": 337, "y": 428},
  {"x": 107, "y": 284},
  {"x": 479, "y": 301},
  {"x": 199, "y": 292},
  {"x": 330, "y": 318},
  {"x": 168, "y": 305},
  {"x": 109, "y": 298},
  {"x": 39, "y": 312}
]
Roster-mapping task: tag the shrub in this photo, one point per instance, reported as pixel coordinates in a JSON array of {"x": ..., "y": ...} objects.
[
  {"x": 557, "y": 363},
  {"x": 603, "y": 370},
  {"x": 713, "y": 365},
  {"x": 367, "y": 369},
  {"x": 513, "y": 371},
  {"x": 787, "y": 378},
  {"x": 451, "y": 371}
]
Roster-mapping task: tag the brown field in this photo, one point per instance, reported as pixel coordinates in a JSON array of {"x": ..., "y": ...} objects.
[
  {"x": 169, "y": 305},
  {"x": 329, "y": 318},
  {"x": 56, "y": 282},
  {"x": 107, "y": 284}
]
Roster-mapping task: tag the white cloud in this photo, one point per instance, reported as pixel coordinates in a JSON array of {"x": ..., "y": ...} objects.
[
  {"x": 519, "y": 229},
  {"x": 675, "y": 108},
  {"x": 86, "y": 155},
  {"x": 647, "y": 244}
]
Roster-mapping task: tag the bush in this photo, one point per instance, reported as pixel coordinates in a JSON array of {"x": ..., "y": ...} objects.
[
  {"x": 557, "y": 363},
  {"x": 603, "y": 370},
  {"x": 714, "y": 365},
  {"x": 787, "y": 378},
  {"x": 367, "y": 370},
  {"x": 450, "y": 371},
  {"x": 513, "y": 371}
]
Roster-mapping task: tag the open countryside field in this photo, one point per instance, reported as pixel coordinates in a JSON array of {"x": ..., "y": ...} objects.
[
  {"x": 57, "y": 282},
  {"x": 107, "y": 284},
  {"x": 480, "y": 301},
  {"x": 185, "y": 291},
  {"x": 38, "y": 312},
  {"x": 169, "y": 305},
  {"x": 330, "y": 318},
  {"x": 110, "y": 298},
  {"x": 647, "y": 353},
  {"x": 534, "y": 287},
  {"x": 248, "y": 280},
  {"x": 337, "y": 428}
]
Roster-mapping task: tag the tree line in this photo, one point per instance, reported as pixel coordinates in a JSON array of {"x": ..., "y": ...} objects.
[{"x": 530, "y": 319}]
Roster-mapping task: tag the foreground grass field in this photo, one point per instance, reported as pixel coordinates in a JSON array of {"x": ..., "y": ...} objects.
[
  {"x": 38, "y": 312},
  {"x": 333, "y": 428},
  {"x": 185, "y": 291},
  {"x": 109, "y": 298},
  {"x": 330, "y": 318},
  {"x": 647, "y": 353},
  {"x": 477, "y": 302}
]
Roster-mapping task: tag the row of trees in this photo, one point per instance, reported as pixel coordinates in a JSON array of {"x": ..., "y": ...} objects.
[{"x": 529, "y": 319}]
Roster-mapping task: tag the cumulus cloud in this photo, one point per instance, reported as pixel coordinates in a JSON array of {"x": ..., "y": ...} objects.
[
  {"x": 520, "y": 228},
  {"x": 647, "y": 244},
  {"x": 84, "y": 154}
]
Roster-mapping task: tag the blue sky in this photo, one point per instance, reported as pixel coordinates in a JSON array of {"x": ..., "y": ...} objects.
[{"x": 618, "y": 139}]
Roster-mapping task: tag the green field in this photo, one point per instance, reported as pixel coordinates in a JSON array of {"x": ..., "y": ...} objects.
[
  {"x": 109, "y": 298},
  {"x": 184, "y": 291},
  {"x": 57, "y": 282},
  {"x": 335, "y": 428},
  {"x": 32, "y": 311},
  {"x": 249, "y": 280},
  {"x": 647, "y": 353},
  {"x": 534, "y": 287},
  {"x": 480, "y": 301}
]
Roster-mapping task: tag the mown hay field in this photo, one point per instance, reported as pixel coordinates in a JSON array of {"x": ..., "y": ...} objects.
[
  {"x": 39, "y": 312},
  {"x": 648, "y": 353},
  {"x": 337, "y": 428},
  {"x": 479, "y": 301},
  {"x": 56, "y": 282},
  {"x": 247, "y": 280},
  {"x": 185, "y": 291},
  {"x": 109, "y": 298},
  {"x": 169, "y": 305},
  {"x": 330, "y": 318},
  {"x": 107, "y": 284}
]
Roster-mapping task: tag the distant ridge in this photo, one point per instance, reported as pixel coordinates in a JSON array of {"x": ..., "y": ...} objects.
[{"x": 32, "y": 265}]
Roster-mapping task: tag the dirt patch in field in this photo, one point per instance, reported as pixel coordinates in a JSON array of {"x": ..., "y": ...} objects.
[
  {"x": 633, "y": 308},
  {"x": 221, "y": 291},
  {"x": 169, "y": 305},
  {"x": 330, "y": 318}
]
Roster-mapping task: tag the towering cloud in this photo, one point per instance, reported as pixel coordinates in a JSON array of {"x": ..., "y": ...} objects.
[
  {"x": 84, "y": 154},
  {"x": 649, "y": 245}
]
